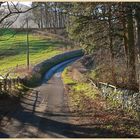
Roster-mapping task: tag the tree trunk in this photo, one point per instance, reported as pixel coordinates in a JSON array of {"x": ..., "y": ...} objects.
[
  {"x": 131, "y": 47},
  {"x": 41, "y": 21},
  {"x": 125, "y": 33},
  {"x": 46, "y": 16},
  {"x": 111, "y": 47},
  {"x": 138, "y": 45}
]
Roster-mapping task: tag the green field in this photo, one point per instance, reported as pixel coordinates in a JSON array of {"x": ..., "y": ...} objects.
[{"x": 13, "y": 50}]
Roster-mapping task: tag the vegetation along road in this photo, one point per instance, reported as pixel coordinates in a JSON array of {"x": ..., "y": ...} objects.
[
  {"x": 42, "y": 113},
  {"x": 47, "y": 91},
  {"x": 49, "y": 111}
]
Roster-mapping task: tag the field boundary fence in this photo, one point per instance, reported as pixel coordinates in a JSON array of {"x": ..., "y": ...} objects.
[
  {"x": 7, "y": 83},
  {"x": 123, "y": 98}
]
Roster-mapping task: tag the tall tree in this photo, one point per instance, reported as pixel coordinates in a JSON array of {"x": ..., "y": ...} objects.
[{"x": 131, "y": 45}]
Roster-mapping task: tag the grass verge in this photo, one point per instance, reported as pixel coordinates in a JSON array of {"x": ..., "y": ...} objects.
[
  {"x": 79, "y": 92},
  {"x": 91, "y": 111}
]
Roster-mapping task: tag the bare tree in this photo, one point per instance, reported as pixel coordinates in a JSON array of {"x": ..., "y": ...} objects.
[{"x": 9, "y": 9}]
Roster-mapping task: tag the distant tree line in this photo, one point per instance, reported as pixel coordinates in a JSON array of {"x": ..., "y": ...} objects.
[{"x": 50, "y": 15}]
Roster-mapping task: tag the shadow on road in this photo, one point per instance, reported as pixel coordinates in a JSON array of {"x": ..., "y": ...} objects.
[{"x": 55, "y": 128}]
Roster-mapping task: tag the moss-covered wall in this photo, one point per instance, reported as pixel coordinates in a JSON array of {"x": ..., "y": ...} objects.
[{"x": 40, "y": 69}]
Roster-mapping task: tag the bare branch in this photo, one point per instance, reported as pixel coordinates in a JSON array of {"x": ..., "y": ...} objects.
[
  {"x": 15, "y": 6},
  {"x": 15, "y": 12},
  {"x": 1, "y": 3},
  {"x": 9, "y": 8}
]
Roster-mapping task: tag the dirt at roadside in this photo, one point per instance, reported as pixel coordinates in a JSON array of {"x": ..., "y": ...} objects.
[{"x": 93, "y": 113}]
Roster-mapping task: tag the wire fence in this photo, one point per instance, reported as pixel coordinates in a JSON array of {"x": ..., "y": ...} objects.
[{"x": 123, "y": 98}]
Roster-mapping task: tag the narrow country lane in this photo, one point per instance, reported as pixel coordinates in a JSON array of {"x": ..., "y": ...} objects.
[{"x": 42, "y": 113}]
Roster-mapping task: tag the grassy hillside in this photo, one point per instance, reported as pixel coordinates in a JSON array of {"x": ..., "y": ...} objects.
[{"x": 13, "y": 50}]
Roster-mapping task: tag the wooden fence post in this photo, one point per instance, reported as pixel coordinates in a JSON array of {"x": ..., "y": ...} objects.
[
  {"x": 0, "y": 86},
  {"x": 4, "y": 84},
  {"x": 9, "y": 84},
  {"x": 21, "y": 80},
  {"x": 18, "y": 80},
  {"x": 14, "y": 82}
]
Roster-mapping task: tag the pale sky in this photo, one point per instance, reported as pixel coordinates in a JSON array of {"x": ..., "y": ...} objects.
[{"x": 28, "y": 3}]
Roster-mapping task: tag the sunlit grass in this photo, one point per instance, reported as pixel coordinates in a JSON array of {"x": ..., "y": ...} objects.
[
  {"x": 67, "y": 79},
  {"x": 78, "y": 87},
  {"x": 13, "y": 50},
  {"x": 78, "y": 90}
]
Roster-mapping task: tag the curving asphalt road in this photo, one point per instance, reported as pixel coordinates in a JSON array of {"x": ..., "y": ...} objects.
[{"x": 44, "y": 112}]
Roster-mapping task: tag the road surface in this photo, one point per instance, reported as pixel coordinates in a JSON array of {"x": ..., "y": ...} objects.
[{"x": 42, "y": 113}]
